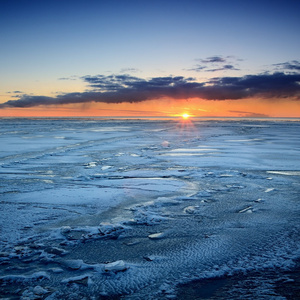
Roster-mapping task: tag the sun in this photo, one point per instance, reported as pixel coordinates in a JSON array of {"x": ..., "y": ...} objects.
[{"x": 185, "y": 116}]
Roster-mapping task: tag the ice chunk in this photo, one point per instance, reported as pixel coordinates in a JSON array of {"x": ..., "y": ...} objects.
[
  {"x": 116, "y": 266},
  {"x": 105, "y": 168},
  {"x": 38, "y": 290},
  {"x": 111, "y": 230},
  {"x": 65, "y": 229},
  {"x": 246, "y": 210},
  {"x": 258, "y": 200},
  {"x": 90, "y": 232},
  {"x": 132, "y": 243},
  {"x": 91, "y": 164},
  {"x": 148, "y": 217},
  {"x": 190, "y": 209},
  {"x": 74, "y": 264},
  {"x": 158, "y": 235}
]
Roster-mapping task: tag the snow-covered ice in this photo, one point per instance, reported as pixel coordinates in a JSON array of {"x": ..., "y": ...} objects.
[{"x": 99, "y": 207}]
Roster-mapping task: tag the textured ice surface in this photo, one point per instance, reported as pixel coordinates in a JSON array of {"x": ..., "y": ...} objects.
[{"x": 95, "y": 208}]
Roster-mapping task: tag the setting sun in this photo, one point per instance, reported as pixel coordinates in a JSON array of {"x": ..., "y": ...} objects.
[{"x": 185, "y": 116}]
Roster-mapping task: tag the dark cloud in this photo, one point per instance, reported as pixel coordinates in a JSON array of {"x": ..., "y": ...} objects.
[
  {"x": 126, "y": 88},
  {"x": 277, "y": 85},
  {"x": 293, "y": 65},
  {"x": 223, "y": 68},
  {"x": 200, "y": 68},
  {"x": 15, "y": 92},
  {"x": 197, "y": 68},
  {"x": 215, "y": 63},
  {"x": 214, "y": 59}
]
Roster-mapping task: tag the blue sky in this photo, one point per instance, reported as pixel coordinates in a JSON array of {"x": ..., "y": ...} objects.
[{"x": 49, "y": 47}]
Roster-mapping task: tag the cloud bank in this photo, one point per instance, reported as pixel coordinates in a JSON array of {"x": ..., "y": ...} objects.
[{"x": 126, "y": 88}]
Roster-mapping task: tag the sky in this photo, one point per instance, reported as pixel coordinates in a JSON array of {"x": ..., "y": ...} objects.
[{"x": 150, "y": 58}]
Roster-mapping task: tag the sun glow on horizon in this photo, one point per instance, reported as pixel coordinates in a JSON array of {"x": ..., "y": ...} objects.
[{"x": 185, "y": 116}]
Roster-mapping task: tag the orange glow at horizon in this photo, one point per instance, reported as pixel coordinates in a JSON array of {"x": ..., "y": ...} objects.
[{"x": 165, "y": 108}]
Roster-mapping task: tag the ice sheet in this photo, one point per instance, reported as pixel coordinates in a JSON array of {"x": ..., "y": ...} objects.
[{"x": 136, "y": 207}]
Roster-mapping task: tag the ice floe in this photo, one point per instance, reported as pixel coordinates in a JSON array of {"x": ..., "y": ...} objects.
[{"x": 115, "y": 208}]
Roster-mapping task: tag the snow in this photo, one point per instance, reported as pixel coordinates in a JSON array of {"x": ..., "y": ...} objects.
[{"x": 136, "y": 207}]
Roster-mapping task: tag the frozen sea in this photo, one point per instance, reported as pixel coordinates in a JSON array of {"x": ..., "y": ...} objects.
[{"x": 149, "y": 208}]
